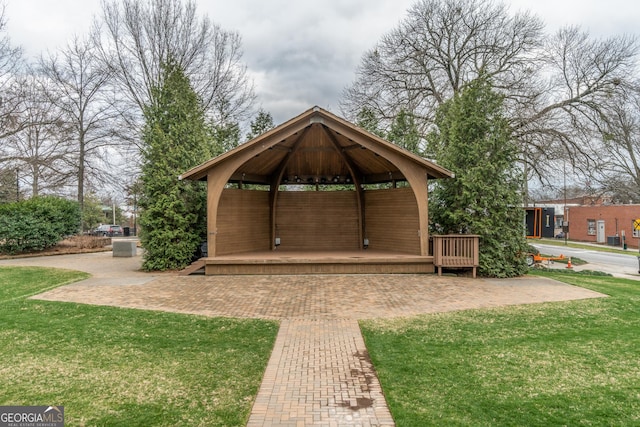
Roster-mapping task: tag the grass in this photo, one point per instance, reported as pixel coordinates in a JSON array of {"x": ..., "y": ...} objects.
[
  {"x": 552, "y": 364},
  {"x": 121, "y": 367}
]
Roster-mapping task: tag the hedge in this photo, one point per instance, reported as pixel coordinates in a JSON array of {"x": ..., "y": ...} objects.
[{"x": 37, "y": 223}]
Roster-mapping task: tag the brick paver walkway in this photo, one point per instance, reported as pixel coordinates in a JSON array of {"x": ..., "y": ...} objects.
[{"x": 319, "y": 372}]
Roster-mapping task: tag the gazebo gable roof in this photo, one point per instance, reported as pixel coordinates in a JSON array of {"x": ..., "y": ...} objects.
[{"x": 317, "y": 147}]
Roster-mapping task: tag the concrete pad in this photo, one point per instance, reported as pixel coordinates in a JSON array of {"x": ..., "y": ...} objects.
[{"x": 103, "y": 267}]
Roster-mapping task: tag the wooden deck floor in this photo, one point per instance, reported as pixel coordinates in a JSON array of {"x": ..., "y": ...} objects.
[{"x": 321, "y": 262}]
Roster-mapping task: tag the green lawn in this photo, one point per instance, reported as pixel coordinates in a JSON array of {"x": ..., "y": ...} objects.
[
  {"x": 552, "y": 364},
  {"x": 121, "y": 367}
]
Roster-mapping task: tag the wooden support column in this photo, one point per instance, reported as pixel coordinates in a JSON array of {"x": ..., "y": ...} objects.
[
  {"x": 275, "y": 186},
  {"x": 218, "y": 177},
  {"x": 417, "y": 178},
  {"x": 415, "y": 174},
  {"x": 356, "y": 182},
  {"x": 214, "y": 192}
]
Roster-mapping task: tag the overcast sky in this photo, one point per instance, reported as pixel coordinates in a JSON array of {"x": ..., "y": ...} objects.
[{"x": 302, "y": 53}]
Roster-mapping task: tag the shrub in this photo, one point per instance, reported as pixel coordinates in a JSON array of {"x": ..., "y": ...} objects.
[
  {"x": 531, "y": 249},
  {"x": 37, "y": 223}
]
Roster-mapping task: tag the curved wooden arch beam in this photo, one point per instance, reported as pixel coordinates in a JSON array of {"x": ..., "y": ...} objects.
[
  {"x": 415, "y": 174},
  {"x": 219, "y": 175},
  {"x": 274, "y": 189},
  {"x": 356, "y": 182}
]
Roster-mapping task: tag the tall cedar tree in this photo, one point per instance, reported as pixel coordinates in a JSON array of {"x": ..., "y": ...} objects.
[
  {"x": 404, "y": 132},
  {"x": 176, "y": 138},
  {"x": 473, "y": 139},
  {"x": 368, "y": 121},
  {"x": 262, "y": 123}
]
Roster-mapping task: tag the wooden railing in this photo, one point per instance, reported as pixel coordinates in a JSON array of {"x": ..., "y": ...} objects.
[{"x": 456, "y": 251}]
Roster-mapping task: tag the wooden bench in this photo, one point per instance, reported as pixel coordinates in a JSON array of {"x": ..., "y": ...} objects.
[{"x": 456, "y": 251}]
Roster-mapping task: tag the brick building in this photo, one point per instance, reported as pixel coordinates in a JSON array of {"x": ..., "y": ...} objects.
[{"x": 607, "y": 224}]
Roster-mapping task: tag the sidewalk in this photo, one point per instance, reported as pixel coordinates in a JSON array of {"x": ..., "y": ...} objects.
[{"x": 103, "y": 267}]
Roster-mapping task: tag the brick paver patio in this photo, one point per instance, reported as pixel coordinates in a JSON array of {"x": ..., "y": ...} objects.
[
  {"x": 315, "y": 296},
  {"x": 319, "y": 372}
]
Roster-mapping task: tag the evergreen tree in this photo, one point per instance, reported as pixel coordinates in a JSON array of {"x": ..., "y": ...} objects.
[
  {"x": 262, "y": 123},
  {"x": 92, "y": 214},
  {"x": 176, "y": 138},
  {"x": 404, "y": 132},
  {"x": 368, "y": 121},
  {"x": 9, "y": 186},
  {"x": 473, "y": 140},
  {"x": 225, "y": 137}
]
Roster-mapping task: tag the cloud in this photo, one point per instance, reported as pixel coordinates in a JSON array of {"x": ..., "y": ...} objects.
[
  {"x": 600, "y": 18},
  {"x": 302, "y": 53},
  {"x": 38, "y": 25}
]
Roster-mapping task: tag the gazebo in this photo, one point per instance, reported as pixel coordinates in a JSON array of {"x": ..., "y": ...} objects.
[{"x": 317, "y": 194}]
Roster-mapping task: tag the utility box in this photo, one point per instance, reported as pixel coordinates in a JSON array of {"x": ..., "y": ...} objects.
[
  {"x": 613, "y": 240},
  {"x": 124, "y": 248}
]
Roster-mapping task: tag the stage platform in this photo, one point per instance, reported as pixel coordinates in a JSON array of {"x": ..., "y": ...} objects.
[{"x": 297, "y": 262}]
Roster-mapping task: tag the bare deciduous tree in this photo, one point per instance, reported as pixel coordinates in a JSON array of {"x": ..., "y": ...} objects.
[
  {"x": 77, "y": 86},
  {"x": 438, "y": 48},
  {"x": 10, "y": 64},
  {"x": 578, "y": 81},
  {"x": 41, "y": 147},
  {"x": 556, "y": 87},
  {"x": 619, "y": 153},
  {"x": 9, "y": 185},
  {"x": 136, "y": 37}
]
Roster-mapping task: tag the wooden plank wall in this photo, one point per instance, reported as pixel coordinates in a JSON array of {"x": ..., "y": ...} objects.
[
  {"x": 391, "y": 220},
  {"x": 243, "y": 222},
  {"x": 317, "y": 220}
]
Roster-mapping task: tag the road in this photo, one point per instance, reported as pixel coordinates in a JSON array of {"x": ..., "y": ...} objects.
[{"x": 623, "y": 264}]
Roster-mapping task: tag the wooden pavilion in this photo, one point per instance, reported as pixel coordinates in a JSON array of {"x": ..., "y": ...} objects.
[{"x": 263, "y": 218}]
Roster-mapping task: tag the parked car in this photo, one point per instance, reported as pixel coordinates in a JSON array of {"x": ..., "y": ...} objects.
[{"x": 108, "y": 230}]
